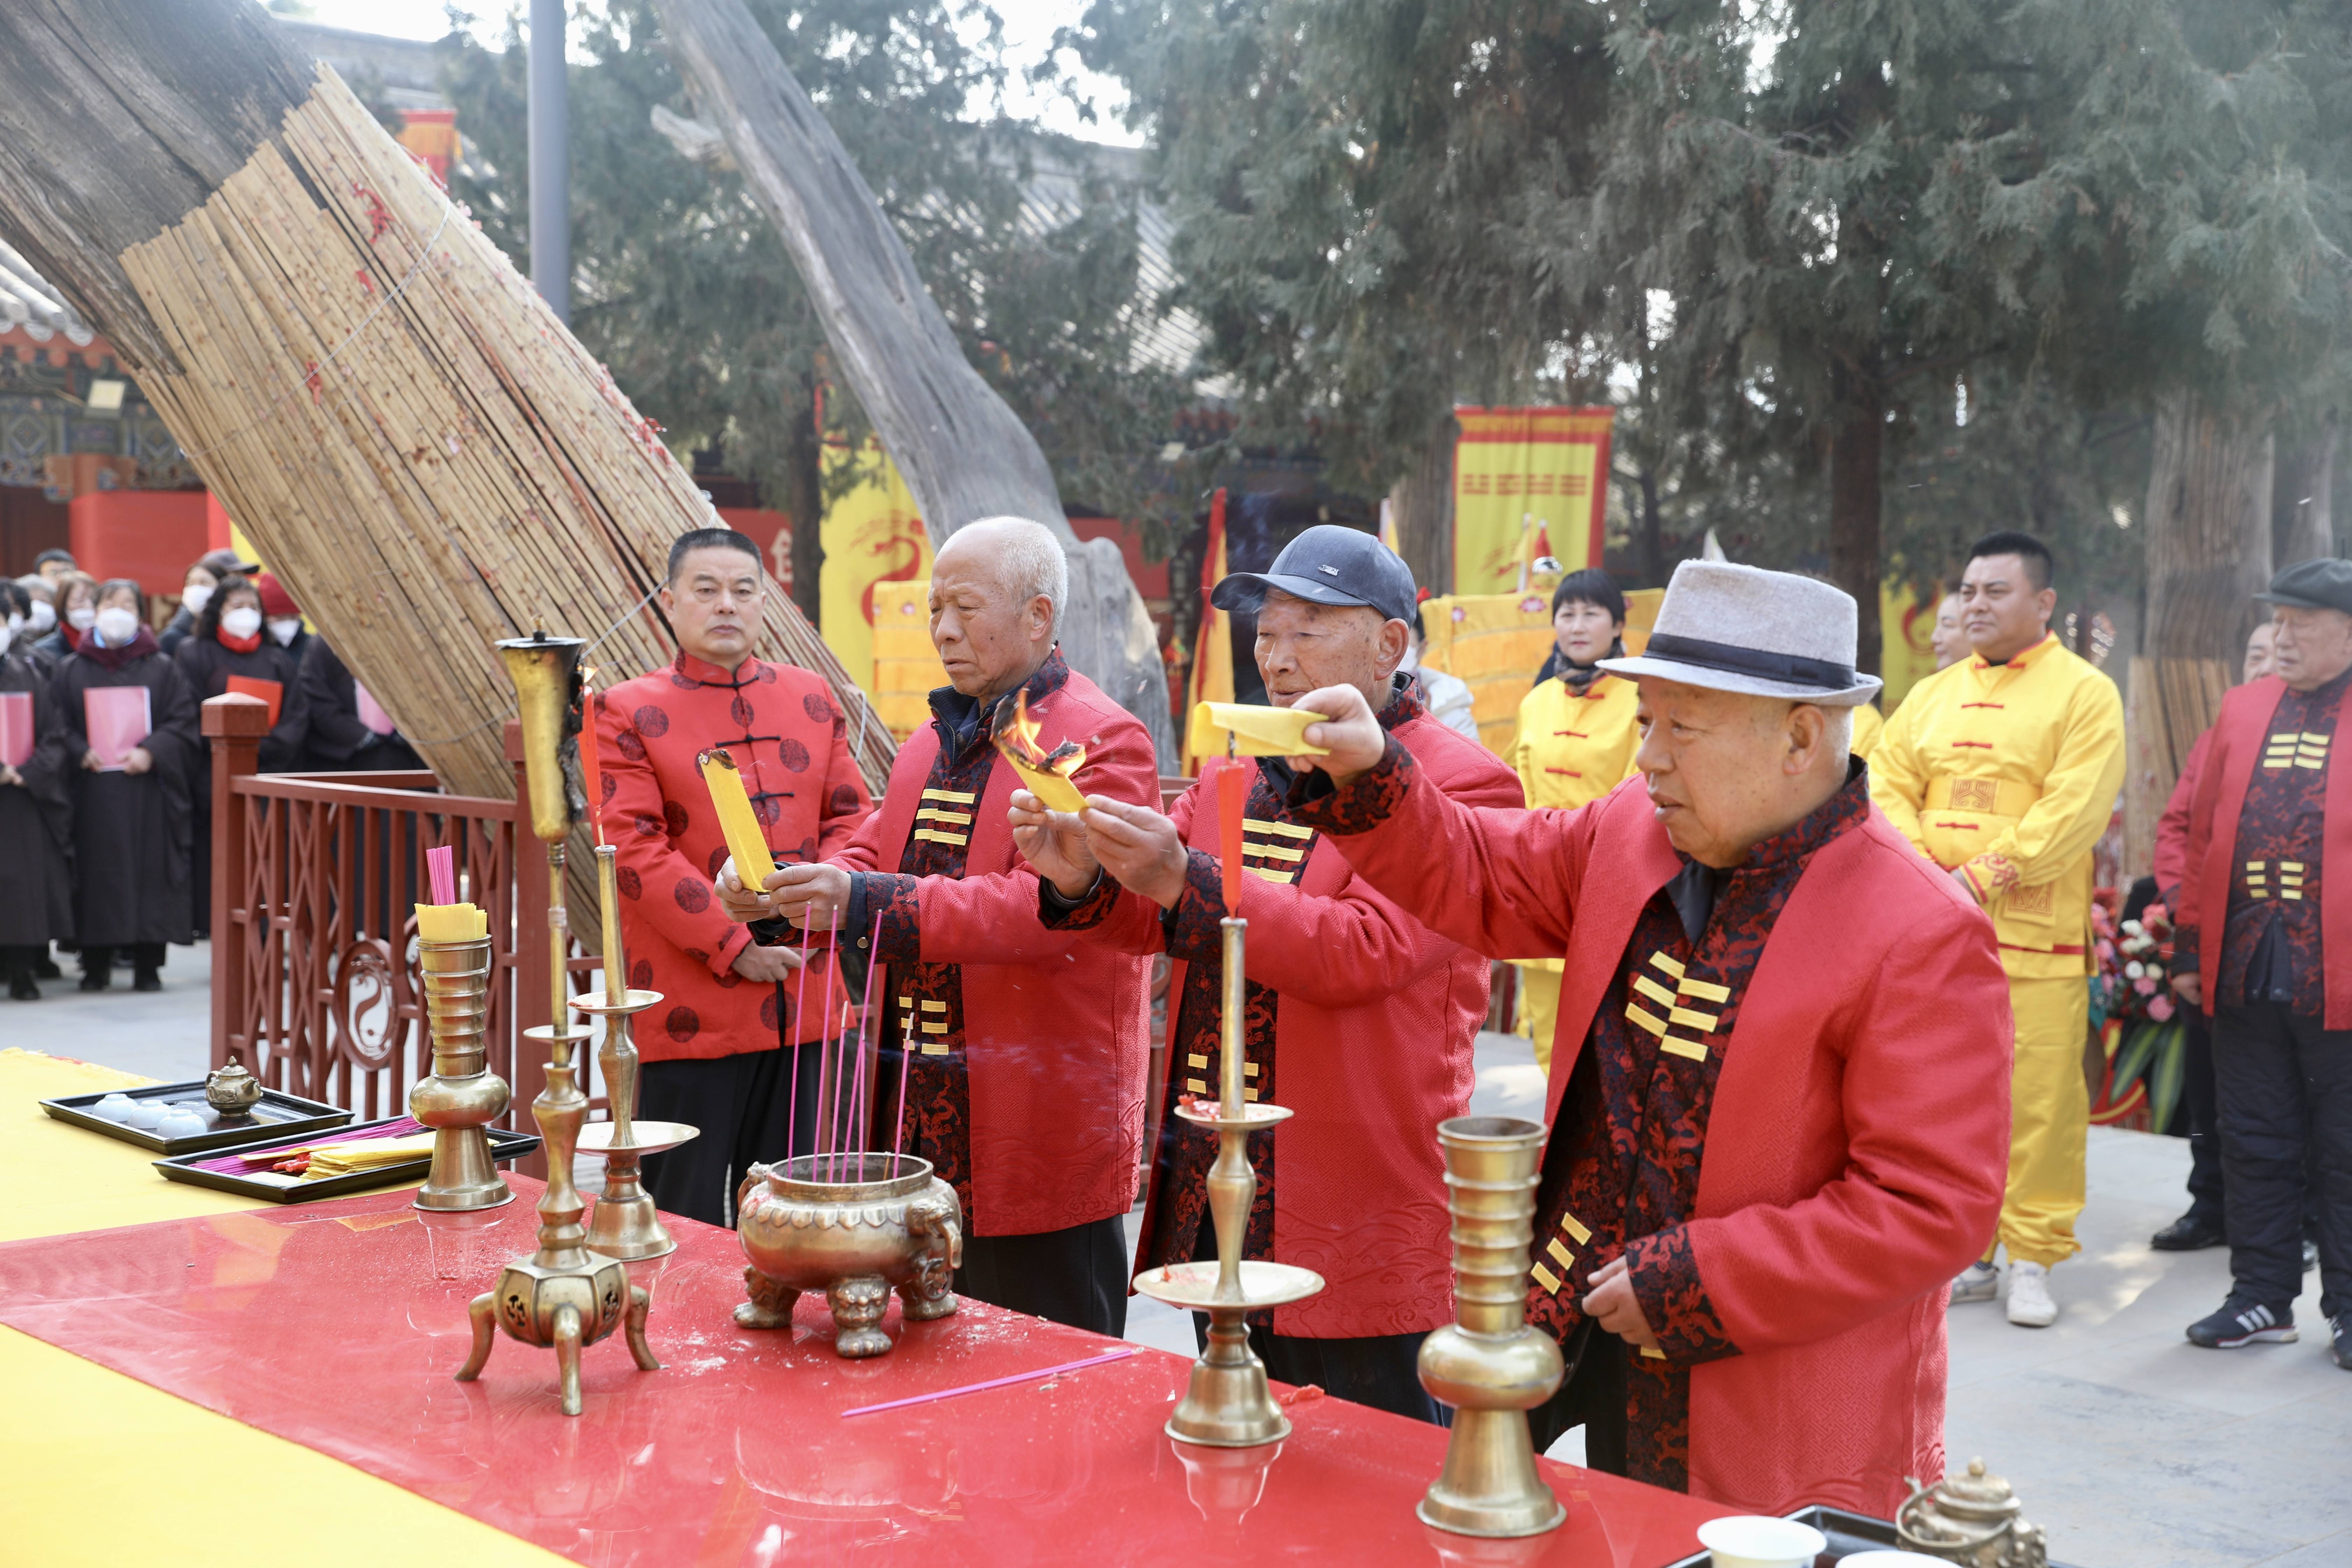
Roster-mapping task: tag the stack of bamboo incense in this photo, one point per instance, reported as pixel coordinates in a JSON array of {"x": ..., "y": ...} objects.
[{"x": 423, "y": 454}]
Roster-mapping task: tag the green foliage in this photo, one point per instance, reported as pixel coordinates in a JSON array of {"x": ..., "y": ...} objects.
[{"x": 685, "y": 290}]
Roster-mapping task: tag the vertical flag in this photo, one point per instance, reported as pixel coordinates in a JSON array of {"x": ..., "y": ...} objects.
[
  {"x": 1212, "y": 644},
  {"x": 1517, "y": 469}
]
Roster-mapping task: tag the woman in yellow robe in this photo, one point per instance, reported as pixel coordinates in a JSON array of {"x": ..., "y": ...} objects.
[{"x": 1576, "y": 743}]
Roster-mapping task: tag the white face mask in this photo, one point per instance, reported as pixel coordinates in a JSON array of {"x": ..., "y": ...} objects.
[
  {"x": 116, "y": 626},
  {"x": 45, "y": 617},
  {"x": 283, "y": 629},
  {"x": 194, "y": 597},
  {"x": 81, "y": 618},
  {"x": 241, "y": 622}
]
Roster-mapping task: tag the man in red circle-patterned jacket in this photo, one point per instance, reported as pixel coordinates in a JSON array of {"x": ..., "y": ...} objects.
[{"x": 715, "y": 1050}]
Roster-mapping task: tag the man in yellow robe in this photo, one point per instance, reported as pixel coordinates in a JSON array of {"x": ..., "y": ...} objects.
[
  {"x": 2003, "y": 769},
  {"x": 1576, "y": 743}
]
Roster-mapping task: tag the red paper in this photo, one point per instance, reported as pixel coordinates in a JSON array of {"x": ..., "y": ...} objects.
[
  {"x": 116, "y": 718},
  {"x": 271, "y": 691},
  {"x": 16, "y": 728},
  {"x": 1232, "y": 798},
  {"x": 372, "y": 713}
]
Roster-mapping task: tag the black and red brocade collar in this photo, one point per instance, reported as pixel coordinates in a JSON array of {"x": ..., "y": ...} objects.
[
  {"x": 2319, "y": 698},
  {"x": 963, "y": 721},
  {"x": 1841, "y": 812},
  {"x": 690, "y": 674}
]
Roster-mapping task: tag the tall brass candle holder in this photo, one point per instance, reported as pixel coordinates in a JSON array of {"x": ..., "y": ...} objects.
[
  {"x": 1228, "y": 1404},
  {"x": 462, "y": 1097},
  {"x": 1488, "y": 1364},
  {"x": 562, "y": 1296},
  {"x": 625, "y": 1225}
]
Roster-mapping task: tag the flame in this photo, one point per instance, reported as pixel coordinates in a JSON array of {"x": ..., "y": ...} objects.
[{"x": 1016, "y": 737}]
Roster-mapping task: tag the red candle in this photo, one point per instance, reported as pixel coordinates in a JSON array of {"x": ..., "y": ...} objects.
[
  {"x": 1233, "y": 795},
  {"x": 591, "y": 774}
]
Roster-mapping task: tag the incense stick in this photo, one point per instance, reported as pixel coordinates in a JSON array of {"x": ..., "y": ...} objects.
[
  {"x": 861, "y": 1098},
  {"x": 906, "y": 1071},
  {"x": 440, "y": 866},
  {"x": 831, "y": 1051},
  {"x": 799, "y": 1016},
  {"x": 959, "y": 1393}
]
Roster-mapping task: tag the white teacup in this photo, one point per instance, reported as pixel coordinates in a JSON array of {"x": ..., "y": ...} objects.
[{"x": 1758, "y": 1541}]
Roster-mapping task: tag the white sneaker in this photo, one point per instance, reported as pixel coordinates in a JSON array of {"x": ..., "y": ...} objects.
[
  {"x": 2030, "y": 1305},
  {"x": 1977, "y": 1283}
]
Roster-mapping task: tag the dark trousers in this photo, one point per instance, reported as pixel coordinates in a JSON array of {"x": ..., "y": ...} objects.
[
  {"x": 1382, "y": 1371},
  {"x": 144, "y": 957},
  {"x": 2284, "y": 1088},
  {"x": 745, "y": 1109},
  {"x": 1592, "y": 1395},
  {"x": 1075, "y": 1276},
  {"x": 2205, "y": 1187}
]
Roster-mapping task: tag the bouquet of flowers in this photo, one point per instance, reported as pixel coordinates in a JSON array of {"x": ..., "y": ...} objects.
[{"x": 2134, "y": 1012}]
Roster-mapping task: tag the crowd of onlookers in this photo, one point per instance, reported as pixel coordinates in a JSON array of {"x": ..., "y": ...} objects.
[{"x": 105, "y": 784}]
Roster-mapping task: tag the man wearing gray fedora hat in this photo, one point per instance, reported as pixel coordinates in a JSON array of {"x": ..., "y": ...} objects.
[{"x": 1777, "y": 1097}]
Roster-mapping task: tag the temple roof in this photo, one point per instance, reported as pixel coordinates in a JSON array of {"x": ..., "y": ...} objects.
[{"x": 28, "y": 303}]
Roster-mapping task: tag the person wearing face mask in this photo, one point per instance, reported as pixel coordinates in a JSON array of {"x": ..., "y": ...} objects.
[
  {"x": 231, "y": 640},
  {"x": 40, "y": 602},
  {"x": 204, "y": 578},
  {"x": 77, "y": 612},
  {"x": 134, "y": 822},
  {"x": 36, "y": 816},
  {"x": 281, "y": 620},
  {"x": 1576, "y": 743}
]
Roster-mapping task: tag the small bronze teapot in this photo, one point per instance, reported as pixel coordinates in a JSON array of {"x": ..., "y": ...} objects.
[
  {"x": 232, "y": 1091},
  {"x": 1971, "y": 1519}
]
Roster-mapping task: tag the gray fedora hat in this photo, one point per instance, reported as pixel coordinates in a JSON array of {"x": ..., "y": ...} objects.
[{"x": 1763, "y": 634}]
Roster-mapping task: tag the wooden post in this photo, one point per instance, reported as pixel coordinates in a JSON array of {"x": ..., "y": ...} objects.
[
  {"x": 233, "y": 725},
  {"x": 528, "y": 1004}
]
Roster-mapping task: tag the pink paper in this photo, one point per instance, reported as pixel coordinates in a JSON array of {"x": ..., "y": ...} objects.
[
  {"x": 116, "y": 718},
  {"x": 371, "y": 714},
  {"x": 16, "y": 728}
]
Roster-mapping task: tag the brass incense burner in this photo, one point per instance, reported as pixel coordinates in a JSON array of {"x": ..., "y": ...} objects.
[
  {"x": 1488, "y": 1364},
  {"x": 1228, "y": 1404},
  {"x": 1973, "y": 1519},
  {"x": 855, "y": 1225},
  {"x": 462, "y": 1097}
]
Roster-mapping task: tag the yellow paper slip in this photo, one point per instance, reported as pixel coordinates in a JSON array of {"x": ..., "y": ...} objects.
[
  {"x": 347, "y": 1158},
  {"x": 745, "y": 843},
  {"x": 1054, "y": 791},
  {"x": 451, "y": 923},
  {"x": 1256, "y": 731}
]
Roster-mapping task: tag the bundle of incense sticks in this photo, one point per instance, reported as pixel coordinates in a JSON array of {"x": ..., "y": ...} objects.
[
  {"x": 847, "y": 1078},
  {"x": 444, "y": 919}
]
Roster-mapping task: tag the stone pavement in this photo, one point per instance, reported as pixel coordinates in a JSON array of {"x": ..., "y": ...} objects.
[{"x": 2133, "y": 1447}]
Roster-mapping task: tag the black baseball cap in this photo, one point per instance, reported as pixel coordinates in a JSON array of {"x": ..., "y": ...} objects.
[
  {"x": 1327, "y": 564},
  {"x": 2324, "y": 585}
]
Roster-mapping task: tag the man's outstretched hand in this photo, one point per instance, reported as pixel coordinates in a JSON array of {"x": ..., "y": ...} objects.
[
  {"x": 809, "y": 896},
  {"x": 1055, "y": 845},
  {"x": 1347, "y": 731}
]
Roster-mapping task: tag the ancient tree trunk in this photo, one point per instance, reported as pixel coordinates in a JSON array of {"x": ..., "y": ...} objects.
[
  {"x": 2303, "y": 522},
  {"x": 965, "y": 455},
  {"x": 1856, "y": 450},
  {"x": 805, "y": 500},
  {"x": 2209, "y": 551},
  {"x": 1421, "y": 506}
]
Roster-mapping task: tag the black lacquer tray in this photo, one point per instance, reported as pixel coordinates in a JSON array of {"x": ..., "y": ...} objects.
[
  {"x": 274, "y": 1115},
  {"x": 276, "y": 1187},
  {"x": 1849, "y": 1533}
]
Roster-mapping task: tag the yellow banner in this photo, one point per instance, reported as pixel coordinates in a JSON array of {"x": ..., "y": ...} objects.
[
  {"x": 1520, "y": 470},
  {"x": 873, "y": 536},
  {"x": 1905, "y": 653},
  {"x": 907, "y": 667}
]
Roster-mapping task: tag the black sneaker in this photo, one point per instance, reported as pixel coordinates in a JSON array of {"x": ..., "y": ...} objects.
[
  {"x": 2340, "y": 1327},
  {"x": 22, "y": 989},
  {"x": 2192, "y": 1232},
  {"x": 146, "y": 980},
  {"x": 95, "y": 980},
  {"x": 2243, "y": 1322}
]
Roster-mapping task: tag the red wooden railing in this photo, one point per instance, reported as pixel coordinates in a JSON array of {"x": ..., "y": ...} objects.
[{"x": 315, "y": 985}]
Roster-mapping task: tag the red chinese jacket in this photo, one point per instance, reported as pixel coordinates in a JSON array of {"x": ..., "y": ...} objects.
[
  {"x": 2172, "y": 828},
  {"x": 1858, "y": 1144},
  {"x": 1055, "y": 1032},
  {"x": 1375, "y": 1020},
  {"x": 2240, "y": 742},
  {"x": 787, "y": 736}
]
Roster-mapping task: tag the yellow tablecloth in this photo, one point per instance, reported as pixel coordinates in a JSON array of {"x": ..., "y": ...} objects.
[{"x": 102, "y": 1469}]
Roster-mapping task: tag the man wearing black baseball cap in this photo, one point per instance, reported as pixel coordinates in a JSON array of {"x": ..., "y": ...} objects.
[
  {"x": 1359, "y": 1018},
  {"x": 2263, "y": 944}
]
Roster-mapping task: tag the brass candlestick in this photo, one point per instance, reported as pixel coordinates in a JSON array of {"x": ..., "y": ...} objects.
[
  {"x": 462, "y": 1097},
  {"x": 1488, "y": 1364},
  {"x": 626, "y": 1224},
  {"x": 1228, "y": 1404},
  {"x": 563, "y": 1295}
]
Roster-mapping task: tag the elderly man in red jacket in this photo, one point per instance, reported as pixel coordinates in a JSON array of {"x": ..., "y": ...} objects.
[
  {"x": 1778, "y": 1090},
  {"x": 1360, "y": 1017},
  {"x": 1026, "y": 1092},
  {"x": 721, "y": 1052}
]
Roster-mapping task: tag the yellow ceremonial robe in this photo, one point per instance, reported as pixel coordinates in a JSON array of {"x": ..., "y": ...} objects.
[
  {"x": 1572, "y": 748},
  {"x": 1867, "y": 727},
  {"x": 2008, "y": 774}
]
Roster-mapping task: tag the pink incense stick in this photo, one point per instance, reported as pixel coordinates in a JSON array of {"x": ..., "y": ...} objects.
[
  {"x": 800, "y": 1012},
  {"x": 830, "y": 1052},
  {"x": 958, "y": 1393},
  {"x": 861, "y": 1096},
  {"x": 440, "y": 865},
  {"x": 906, "y": 1071}
]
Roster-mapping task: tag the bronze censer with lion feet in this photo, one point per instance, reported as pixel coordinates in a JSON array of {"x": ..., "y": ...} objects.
[{"x": 854, "y": 1225}]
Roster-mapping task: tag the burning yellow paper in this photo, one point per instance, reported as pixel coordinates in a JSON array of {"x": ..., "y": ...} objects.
[
  {"x": 451, "y": 923},
  {"x": 736, "y": 819},
  {"x": 1256, "y": 731},
  {"x": 1045, "y": 775}
]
